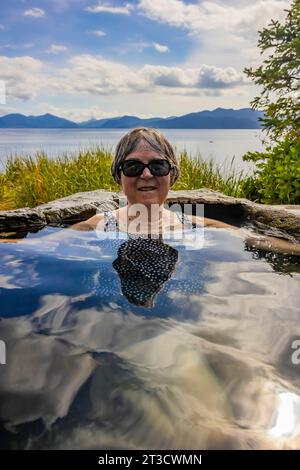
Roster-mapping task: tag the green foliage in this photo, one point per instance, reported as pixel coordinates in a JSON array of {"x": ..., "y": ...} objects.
[
  {"x": 277, "y": 178},
  {"x": 30, "y": 181},
  {"x": 199, "y": 173},
  {"x": 279, "y": 76}
]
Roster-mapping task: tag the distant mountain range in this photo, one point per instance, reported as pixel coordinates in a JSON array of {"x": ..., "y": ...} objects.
[{"x": 219, "y": 118}]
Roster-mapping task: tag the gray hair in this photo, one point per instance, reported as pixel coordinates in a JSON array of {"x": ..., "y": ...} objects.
[{"x": 143, "y": 137}]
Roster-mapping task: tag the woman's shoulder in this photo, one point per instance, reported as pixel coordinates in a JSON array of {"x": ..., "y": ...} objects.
[{"x": 97, "y": 221}]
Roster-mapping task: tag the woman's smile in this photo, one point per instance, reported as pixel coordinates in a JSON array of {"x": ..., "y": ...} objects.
[{"x": 147, "y": 188}]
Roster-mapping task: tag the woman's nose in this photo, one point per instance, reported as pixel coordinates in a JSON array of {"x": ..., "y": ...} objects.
[{"x": 146, "y": 173}]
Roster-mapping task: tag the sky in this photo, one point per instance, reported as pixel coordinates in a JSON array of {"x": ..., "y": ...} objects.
[{"x": 84, "y": 59}]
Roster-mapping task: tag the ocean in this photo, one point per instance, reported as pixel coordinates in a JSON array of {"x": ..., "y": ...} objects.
[{"x": 224, "y": 146}]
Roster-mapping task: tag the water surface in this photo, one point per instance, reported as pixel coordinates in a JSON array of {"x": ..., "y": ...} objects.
[{"x": 105, "y": 352}]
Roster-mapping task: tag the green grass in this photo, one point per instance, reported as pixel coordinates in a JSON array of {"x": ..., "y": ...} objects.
[
  {"x": 199, "y": 173},
  {"x": 28, "y": 181}
]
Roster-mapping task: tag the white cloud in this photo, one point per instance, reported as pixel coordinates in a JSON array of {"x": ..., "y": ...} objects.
[
  {"x": 216, "y": 77},
  {"x": 173, "y": 12},
  {"x": 160, "y": 47},
  {"x": 105, "y": 7},
  {"x": 210, "y": 15},
  {"x": 140, "y": 46},
  {"x": 223, "y": 32},
  {"x": 98, "y": 33},
  {"x": 94, "y": 76},
  {"x": 34, "y": 12},
  {"x": 97, "y": 76},
  {"x": 193, "y": 79},
  {"x": 23, "y": 77},
  {"x": 56, "y": 49}
]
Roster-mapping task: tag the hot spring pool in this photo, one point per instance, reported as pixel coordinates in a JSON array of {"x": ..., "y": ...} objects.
[{"x": 106, "y": 351}]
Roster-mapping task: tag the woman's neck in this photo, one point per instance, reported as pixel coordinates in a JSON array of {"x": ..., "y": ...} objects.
[
  {"x": 141, "y": 218},
  {"x": 151, "y": 214}
]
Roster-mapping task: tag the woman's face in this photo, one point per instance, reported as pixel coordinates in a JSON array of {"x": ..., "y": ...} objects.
[{"x": 145, "y": 189}]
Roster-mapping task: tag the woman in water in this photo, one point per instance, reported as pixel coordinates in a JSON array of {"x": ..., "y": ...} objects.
[{"x": 145, "y": 166}]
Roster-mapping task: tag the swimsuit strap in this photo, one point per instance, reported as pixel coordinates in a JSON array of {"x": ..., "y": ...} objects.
[
  {"x": 111, "y": 225},
  {"x": 110, "y": 222}
]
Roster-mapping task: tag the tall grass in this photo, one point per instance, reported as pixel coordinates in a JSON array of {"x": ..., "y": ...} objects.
[
  {"x": 32, "y": 180},
  {"x": 199, "y": 173}
]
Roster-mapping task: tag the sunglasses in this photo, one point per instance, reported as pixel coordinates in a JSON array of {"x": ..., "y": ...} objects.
[{"x": 136, "y": 167}]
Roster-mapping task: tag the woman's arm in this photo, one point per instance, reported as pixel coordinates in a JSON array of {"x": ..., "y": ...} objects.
[
  {"x": 82, "y": 226},
  {"x": 216, "y": 223},
  {"x": 92, "y": 223},
  {"x": 206, "y": 222},
  {"x": 276, "y": 245},
  {"x": 261, "y": 242}
]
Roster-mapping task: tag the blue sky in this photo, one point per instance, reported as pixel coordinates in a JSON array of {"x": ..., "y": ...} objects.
[{"x": 90, "y": 58}]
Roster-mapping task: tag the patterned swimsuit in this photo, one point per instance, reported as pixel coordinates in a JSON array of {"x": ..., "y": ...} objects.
[{"x": 111, "y": 223}]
